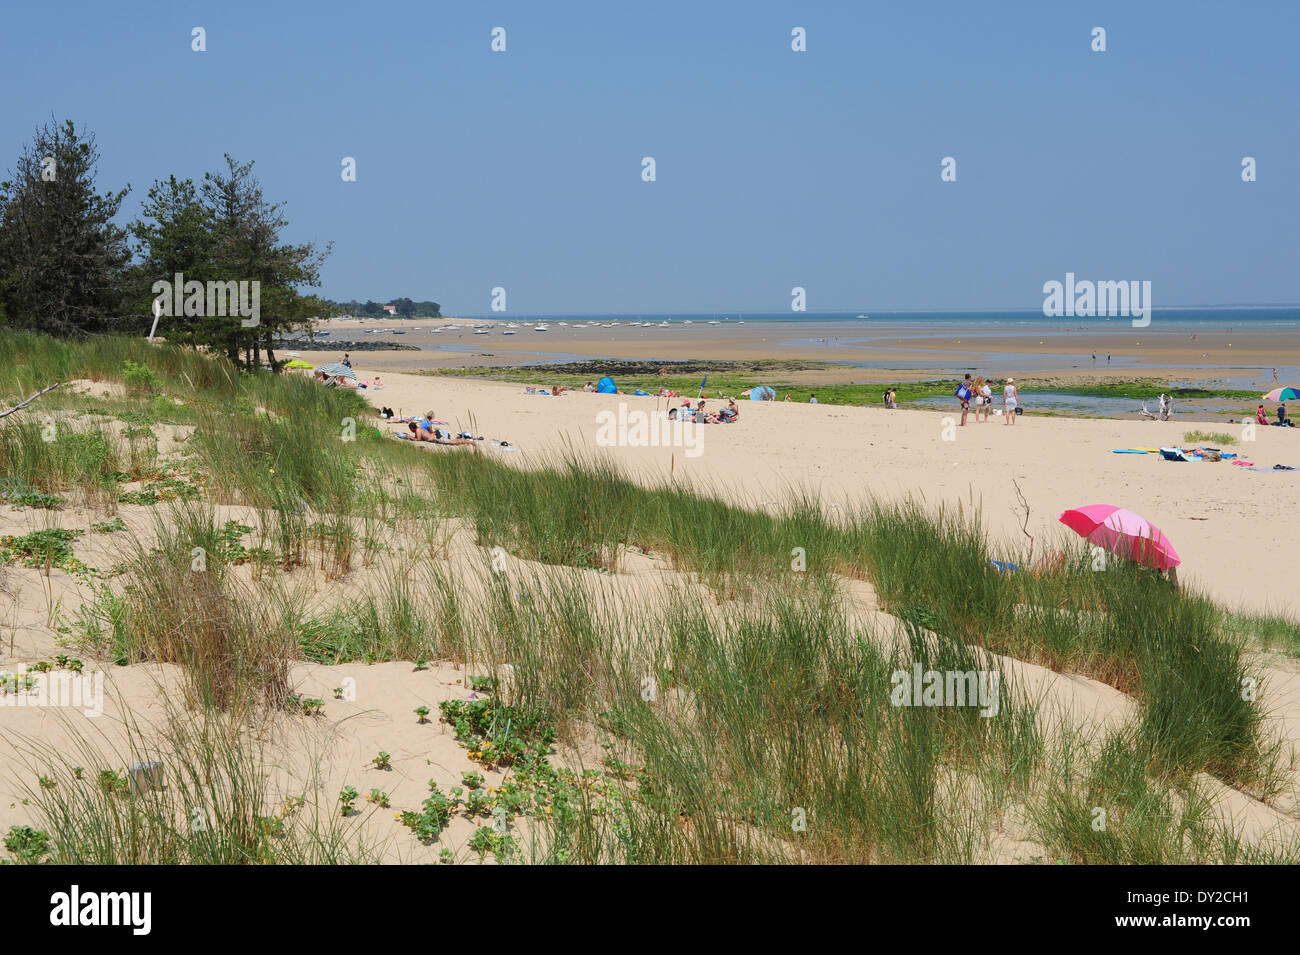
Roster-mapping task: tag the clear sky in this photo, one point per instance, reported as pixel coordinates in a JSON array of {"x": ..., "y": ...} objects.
[{"x": 774, "y": 168}]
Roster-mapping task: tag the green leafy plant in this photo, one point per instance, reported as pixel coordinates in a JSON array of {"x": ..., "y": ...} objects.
[
  {"x": 140, "y": 376},
  {"x": 48, "y": 502},
  {"x": 435, "y": 813},
  {"x": 347, "y": 800},
  {"x": 28, "y": 845},
  {"x": 382, "y": 761},
  {"x": 496, "y": 733},
  {"x": 423, "y": 713},
  {"x": 486, "y": 839}
]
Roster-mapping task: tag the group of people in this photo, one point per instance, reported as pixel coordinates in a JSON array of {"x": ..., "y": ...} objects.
[
  {"x": 729, "y": 413},
  {"x": 979, "y": 392},
  {"x": 1261, "y": 417},
  {"x": 426, "y": 429}
]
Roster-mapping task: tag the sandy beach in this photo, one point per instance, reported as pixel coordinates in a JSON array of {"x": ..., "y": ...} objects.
[{"x": 1215, "y": 513}]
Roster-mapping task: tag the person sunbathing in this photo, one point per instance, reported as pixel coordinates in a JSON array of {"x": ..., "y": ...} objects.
[
  {"x": 435, "y": 435},
  {"x": 730, "y": 414}
]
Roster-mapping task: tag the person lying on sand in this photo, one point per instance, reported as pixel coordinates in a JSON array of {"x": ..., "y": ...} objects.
[
  {"x": 558, "y": 390},
  {"x": 426, "y": 425},
  {"x": 436, "y": 436}
]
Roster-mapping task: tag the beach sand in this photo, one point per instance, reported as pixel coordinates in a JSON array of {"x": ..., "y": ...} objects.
[{"x": 1223, "y": 520}]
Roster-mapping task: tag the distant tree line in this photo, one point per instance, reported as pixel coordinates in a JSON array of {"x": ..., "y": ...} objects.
[
  {"x": 68, "y": 268},
  {"x": 405, "y": 308}
]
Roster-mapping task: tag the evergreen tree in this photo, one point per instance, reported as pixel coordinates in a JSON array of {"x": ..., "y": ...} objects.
[
  {"x": 62, "y": 258},
  {"x": 247, "y": 247}
]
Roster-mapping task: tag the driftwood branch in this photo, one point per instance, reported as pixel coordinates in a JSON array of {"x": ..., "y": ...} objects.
[
  {"x": 1024, "y": 525},
  {"x": 23, "y": 404}
]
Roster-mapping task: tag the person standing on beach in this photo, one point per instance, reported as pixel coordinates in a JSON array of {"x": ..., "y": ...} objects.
[
  {"x": 1275, "y": 376},
  {"x": 1094, "y": 354},
  {"x": 963, "y": 395},
  {"x": 1010, "y": 400},
  {"x": 1108, "y": 358},
  {"x": 986, "y": 400}
]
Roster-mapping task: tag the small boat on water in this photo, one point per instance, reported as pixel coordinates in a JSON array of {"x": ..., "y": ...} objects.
[
  {"x": 540, "y": 328},
  {"x": 508, "y": 331},
  {"x": 398, "y": 331},
  {"x": 480, "y": 331}
]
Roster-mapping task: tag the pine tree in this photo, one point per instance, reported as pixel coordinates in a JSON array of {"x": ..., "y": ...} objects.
[
  {"x": 62, "y": 258},
  {"x": 247, "y": 247}
]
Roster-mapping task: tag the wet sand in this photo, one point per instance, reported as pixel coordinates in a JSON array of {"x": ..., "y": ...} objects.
[{"x": 1245, "y": 356}]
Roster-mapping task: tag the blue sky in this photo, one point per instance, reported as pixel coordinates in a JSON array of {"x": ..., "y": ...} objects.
[{"x": 820, "y": 169}]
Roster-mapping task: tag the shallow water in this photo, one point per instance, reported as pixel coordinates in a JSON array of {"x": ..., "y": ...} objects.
[{"x": 1089, "y": 405}]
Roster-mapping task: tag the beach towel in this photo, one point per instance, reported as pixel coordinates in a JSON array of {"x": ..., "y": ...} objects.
[{"x": 643, "y": 394}]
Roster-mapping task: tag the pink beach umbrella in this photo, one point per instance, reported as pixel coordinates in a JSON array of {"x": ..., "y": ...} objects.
[{"x": 1122, "y": 532}]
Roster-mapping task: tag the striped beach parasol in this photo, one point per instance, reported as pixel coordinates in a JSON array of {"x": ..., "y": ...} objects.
[{"x": 1282, "y": 394}]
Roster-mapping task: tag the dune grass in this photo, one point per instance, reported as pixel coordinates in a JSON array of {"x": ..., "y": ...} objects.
[
  {"x": 214, "y": 805},
  {"x": 779, "y": 704}
]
